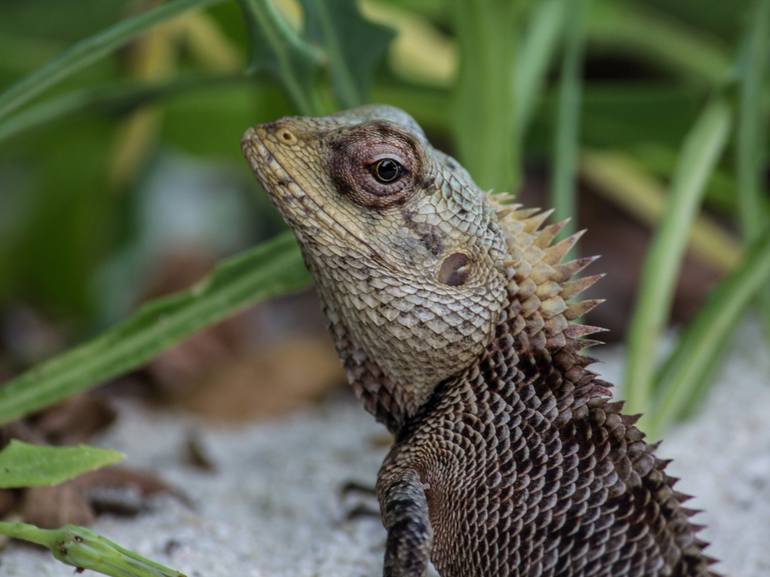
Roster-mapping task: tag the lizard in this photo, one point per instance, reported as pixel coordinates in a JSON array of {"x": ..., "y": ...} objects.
[{"x": 457, "y": 320}]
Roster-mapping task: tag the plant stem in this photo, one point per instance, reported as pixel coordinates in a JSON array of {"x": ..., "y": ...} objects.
[
  {"x": 625, "y": 182},
  {"x": 537, "y": 50},
  {"x": 751, "y": 139},
  {"x": 700, "y": 153},
  {"x": 685, "y": 375},
  {"x": 484, "y": 97},
  {"x": 345, "y": 84},
  {"x": 568, "y": 118},
  {"x": 120, "y": 96},
  {"x": 629, "y": 26},
  {"x": 84, "y": 549},
  {"x": 298, "y": 62},
  {"x": 90, "y": 50}
]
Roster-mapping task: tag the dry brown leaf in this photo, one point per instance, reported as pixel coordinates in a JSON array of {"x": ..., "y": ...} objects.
[
  {"x": 8, "y": 501},
  {"x": 52, "y": 507},
  {"x": 75, "y": 420},
  {"x": 269, "y": 382},
  {"x": 116, "y": 490}
]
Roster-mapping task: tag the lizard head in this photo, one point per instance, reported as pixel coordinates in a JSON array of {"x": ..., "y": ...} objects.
[{"x": 406, "y": 251}]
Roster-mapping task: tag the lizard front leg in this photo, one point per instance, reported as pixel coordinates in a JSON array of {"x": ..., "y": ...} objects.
[{"x": 405, "y": 516}]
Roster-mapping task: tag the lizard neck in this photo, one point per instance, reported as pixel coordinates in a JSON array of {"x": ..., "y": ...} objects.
[
  {"x": 539, "y": 337},
  {"x": 525, "y": 313}
]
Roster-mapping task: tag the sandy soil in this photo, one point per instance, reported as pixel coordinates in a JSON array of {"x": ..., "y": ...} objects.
[{"x": 274, "y": 509}]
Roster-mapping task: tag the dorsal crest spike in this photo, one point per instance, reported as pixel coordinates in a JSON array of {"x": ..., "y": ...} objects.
[
  {"x": 574, "y": 287},
  {"x": 505, "y": 198},
  {"x": 533, "y": 223},
  {"x": 524, "y": 214},
  {"x": 548, "y": 233},
  {"x": 582, "y": 308},
  {"x": 570, "y": 268},
  {"x": 577, "y": 331},
  {"x": 555, "y": 253},
  {"x": 588, "y": 343},
  {"x": 506, "y": 210}
]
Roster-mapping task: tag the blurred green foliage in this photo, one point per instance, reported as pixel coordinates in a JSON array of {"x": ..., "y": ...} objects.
[
  {"x": 26, "y": 465},
  {"x": 497, "y": 82}
]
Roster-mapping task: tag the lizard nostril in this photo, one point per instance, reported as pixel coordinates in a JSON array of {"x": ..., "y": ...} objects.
[{"x": 286, "y": 136}]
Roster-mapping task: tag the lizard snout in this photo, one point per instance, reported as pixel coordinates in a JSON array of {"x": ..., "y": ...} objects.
[{"x": 249, "y": 136}]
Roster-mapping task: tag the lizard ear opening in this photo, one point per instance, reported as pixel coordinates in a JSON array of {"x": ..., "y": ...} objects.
[{"x": 454, "y": 269}]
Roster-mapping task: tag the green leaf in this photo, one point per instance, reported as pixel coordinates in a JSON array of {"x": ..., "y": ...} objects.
[
  {"x": 631, "y": 27},
  {"x": 751, "y": 140},
  {"x": 75, "y": 246},
  {"x": 122, "y": 97},
  {"x": 83, "y": 549},
  {"x": 684, "y": 378},
  {"x": 625, "y": 181},
  {"x": 25, "y": 465},
  {"x": 354, "y": 46},
  {"x": 271, "y": 269},
  {"x": 700, "y": 154},
  {"x": 279, "y": 49},
  {"x": 484, "y": 115},
  {"x": 568, "y": 121},
  {"x": 538, "y": 47},
  {"x": 90, "y": 50}
]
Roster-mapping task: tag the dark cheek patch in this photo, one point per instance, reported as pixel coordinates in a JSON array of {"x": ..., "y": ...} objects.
[
  {"x": 432, "y": 241},
  {"x": 428, "y": 235},
  {"x": 454, "y": 270}
]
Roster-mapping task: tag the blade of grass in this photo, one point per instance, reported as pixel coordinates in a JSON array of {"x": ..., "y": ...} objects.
[
  {"x": 535, "y": 55},
  {"x": 568, "y": 116},
  {"x": 271, "y": 269},
  {"x": 660, "y": 160},
  {"x": 631, "y": 27},
  {"x": 685, "y": 376},
  {"x": 751, "y": 140},
  {"x": 625, "y": 182},
  {"x": 118, "y": 97},
  {"x": 208, "y": 43},
  {"x": 83, "y": 549},
  {"x": 90, "y": 50},
  {"x": 700, "y": 153},
  {"x": 484, "y": 114}
]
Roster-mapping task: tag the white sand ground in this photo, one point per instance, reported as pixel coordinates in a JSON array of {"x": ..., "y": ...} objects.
[{"x": 273, "y": 508}]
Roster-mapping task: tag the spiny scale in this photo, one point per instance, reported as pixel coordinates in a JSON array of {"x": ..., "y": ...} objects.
[{"x": 539, "y": 260}]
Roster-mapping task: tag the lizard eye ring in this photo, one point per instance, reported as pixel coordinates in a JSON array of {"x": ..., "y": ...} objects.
[
  {"x": 386, "y": 170},
  {"x": 375, "y": 165}
]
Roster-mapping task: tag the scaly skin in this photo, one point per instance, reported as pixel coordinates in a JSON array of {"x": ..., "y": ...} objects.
[{"x": 453, "y": 316}]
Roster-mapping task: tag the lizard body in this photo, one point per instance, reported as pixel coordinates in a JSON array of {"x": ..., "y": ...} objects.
[{"x": 456, "y": 321}]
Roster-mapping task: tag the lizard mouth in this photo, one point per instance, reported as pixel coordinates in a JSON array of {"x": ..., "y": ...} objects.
[{"x": 305, "y": 214}]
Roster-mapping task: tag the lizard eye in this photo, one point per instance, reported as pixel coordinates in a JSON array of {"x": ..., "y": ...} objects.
[
  {"x": 375, "y": 165},
  {"x": 386, "y": 170}
]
